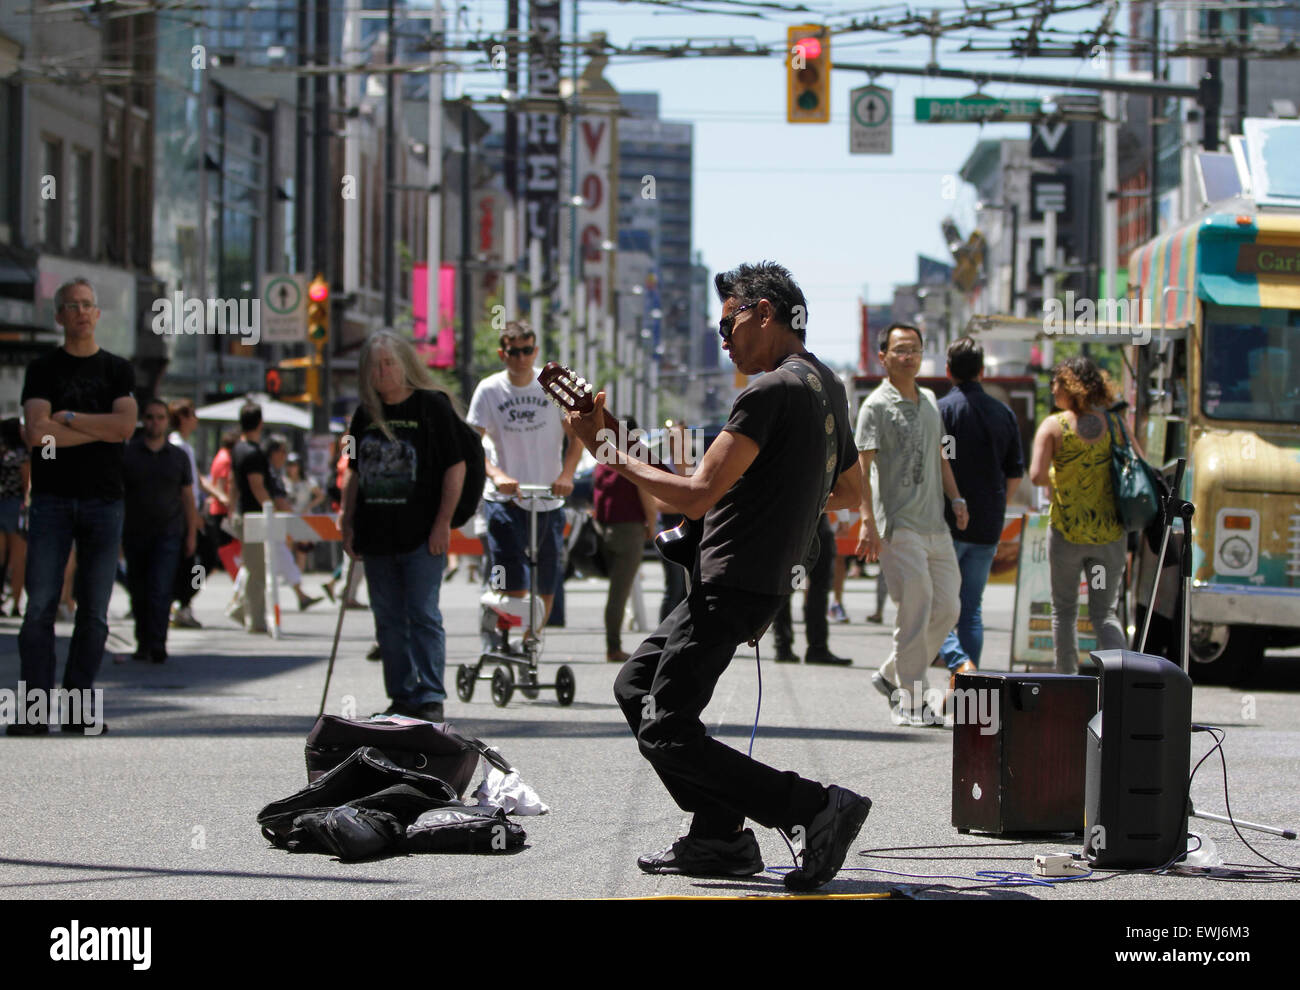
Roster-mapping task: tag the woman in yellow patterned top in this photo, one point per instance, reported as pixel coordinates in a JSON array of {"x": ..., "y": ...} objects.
[{"x": 1072, "y": 457}]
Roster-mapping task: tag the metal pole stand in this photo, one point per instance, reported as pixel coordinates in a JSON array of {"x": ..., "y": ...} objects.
[{"x": 1178, "y": 508}]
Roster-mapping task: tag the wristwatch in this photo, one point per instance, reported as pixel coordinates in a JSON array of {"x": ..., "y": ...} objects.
[{"x": 955, "y": 501}]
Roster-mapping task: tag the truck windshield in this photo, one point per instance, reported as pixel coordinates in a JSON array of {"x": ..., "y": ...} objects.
[{"x": 1251, "y": 369}]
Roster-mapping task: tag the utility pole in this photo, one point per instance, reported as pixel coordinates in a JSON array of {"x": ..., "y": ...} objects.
[
  {"x": 322, "y": 191},
  {"x": 466, "y": 282},
  {"x": 391, "y": 83},
  {"x": 1157, "y": 107}
]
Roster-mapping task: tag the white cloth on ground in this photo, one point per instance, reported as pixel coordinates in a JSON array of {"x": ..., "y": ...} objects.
[{"x": 507, "y": 791}]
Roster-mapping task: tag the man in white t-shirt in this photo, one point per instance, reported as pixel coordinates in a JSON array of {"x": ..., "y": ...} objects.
[{"x": 527, "y": 433}]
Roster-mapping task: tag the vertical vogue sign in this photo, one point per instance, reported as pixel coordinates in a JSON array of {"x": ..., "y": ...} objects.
[
  {"x": 542, "y": 135},
  {"x": 597, "y": 213}
]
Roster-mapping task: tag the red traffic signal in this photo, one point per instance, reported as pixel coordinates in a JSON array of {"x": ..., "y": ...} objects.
[
  {"x": 811, "y": 48},
  {"x": 318, "y": 310},
  {"x": 273, "y": 383},
  {"x": 808, "y": 75}
]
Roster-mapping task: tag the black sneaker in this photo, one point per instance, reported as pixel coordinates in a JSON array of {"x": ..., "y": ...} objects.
[
  {"x": 694, "y": 857},
  {"x": 826, "y": 657},
  {"x": 786, "y": 655},
  {"x": 85, "y": 728},
  {"x": 27, "y": 729},
  {"x": 829, "y": 836},
  {"x": 432, "y": 712}
]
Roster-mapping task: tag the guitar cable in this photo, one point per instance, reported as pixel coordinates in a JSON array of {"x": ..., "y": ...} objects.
[{"x": 758, "y": 667}]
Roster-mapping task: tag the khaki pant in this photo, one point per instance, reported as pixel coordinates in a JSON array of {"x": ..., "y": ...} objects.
[
  {"x": 254, "y": 584},
  {"x": 925, "y": 583}
]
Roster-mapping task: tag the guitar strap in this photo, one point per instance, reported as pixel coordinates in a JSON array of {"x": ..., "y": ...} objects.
[{"x": 804, "y": 370}]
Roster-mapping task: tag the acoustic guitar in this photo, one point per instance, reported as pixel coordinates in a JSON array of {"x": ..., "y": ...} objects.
[{"x": 573, "y": 393}]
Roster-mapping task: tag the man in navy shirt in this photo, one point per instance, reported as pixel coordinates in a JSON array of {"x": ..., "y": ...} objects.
[{"x": 988, "y": 463}]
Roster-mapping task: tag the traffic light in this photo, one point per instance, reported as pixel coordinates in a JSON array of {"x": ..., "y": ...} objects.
[
  {"x": 808, "y": 74},
  {"x": 318, "y": 310},
  {"x": 273, "y": 382}
]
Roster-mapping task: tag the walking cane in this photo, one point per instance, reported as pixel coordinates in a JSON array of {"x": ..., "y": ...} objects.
[{"x": 338, "y": 629}]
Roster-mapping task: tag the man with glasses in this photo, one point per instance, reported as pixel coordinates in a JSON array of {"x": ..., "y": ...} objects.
[
  {"x": 784, "y": 455},
  {"x": 79, "y": 413},
  {"x": 527, "y": 432},
  {"x": 900, "y": 433}
]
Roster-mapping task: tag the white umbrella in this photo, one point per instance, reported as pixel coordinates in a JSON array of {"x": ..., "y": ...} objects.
[{"x": 273, "y": 411}]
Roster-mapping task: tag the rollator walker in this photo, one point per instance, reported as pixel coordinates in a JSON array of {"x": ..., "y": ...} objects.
[{"x": 515, "y": 665}]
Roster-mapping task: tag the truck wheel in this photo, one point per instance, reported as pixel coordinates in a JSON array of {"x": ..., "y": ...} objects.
[{"x": 1225, "y": 654}]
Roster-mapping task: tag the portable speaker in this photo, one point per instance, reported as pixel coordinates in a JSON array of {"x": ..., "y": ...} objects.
[{"x": 1139, "y": 748}]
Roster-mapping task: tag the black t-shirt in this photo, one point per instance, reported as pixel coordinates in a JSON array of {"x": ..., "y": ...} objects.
[
  {"x": 154, "y": 483},
  {"x": 82, "y": 385},
  {"x": 249, "y": 458},
  {"x": 986, "y": 451},
  {"x": 400, "y": 479},
  {"x": 761, "y": 529}
]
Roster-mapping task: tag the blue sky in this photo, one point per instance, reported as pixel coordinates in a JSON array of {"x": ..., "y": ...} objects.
[{"x": 844, "y": 224}]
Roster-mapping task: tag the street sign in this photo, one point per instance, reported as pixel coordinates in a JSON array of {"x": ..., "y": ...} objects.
[
  {"x": 974, "y": 109},
  {"x": 1050, "y": 193},
  {"x": 871, "y": 121},
  {"x": 284, "y": 308}
]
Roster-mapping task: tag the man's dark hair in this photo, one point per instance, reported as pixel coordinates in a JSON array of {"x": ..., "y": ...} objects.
[
  {"x": 516, "y": 330},
  {"x": 766, "y": 280},
  {"x": 884, "y": 334},
  {"x": 275, "y": 443},
  {"x": 155, "y": 401},
  {"x": 965, "y": 359},
  {"x": 11, "y": 433},
  {"x": 250, "y": 417}
]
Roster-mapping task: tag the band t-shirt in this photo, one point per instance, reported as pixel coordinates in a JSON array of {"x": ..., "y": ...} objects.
[
  {"x": 154, "y": 480},
  {"x": 400, "y": 477},
  {"x": 759, "y": 531},
  {"x": 82, "y": 385},
  {"x": 527, "y": 433},
  {"x": 249, "y": 458}
]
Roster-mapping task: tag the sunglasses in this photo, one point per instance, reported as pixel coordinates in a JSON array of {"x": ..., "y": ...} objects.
[
  {"x": 516, "y": 351},
  {"x": 728, "y": 322}
]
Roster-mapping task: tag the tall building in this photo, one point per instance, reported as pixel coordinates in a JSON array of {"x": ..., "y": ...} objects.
[
  {"x": 655, "y": 195},
  {"x": 77, "y": 120}
]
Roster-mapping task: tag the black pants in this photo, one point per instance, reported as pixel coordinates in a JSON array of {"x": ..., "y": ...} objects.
[
  {"x": 815, "y": 598},
  {"x": 662, "y": 691},
  {"x": 151, "y": 562}
]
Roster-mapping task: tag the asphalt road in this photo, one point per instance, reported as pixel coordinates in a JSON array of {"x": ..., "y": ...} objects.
[{"x": 163, "y": 806}]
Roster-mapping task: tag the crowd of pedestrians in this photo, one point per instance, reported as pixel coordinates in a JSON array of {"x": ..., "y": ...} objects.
[{"x": 82, "y": 483}]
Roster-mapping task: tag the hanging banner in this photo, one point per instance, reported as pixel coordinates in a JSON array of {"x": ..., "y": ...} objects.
[{"x": 440, "y": 352}]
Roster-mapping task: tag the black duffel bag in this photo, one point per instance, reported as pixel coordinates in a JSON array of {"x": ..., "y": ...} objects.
[
  {"x": 361, "y": 774},
  {"x": 439, "y": 751}
]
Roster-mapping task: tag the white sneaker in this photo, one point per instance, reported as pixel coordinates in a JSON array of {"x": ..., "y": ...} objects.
[{"x": 183, "y": 618}]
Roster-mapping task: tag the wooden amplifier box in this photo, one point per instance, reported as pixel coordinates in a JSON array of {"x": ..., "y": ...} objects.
[{"x": 1019, "y": 751}]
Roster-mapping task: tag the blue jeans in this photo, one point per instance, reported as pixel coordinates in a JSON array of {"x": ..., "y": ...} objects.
[
  {"x": 404, "y": 597},
  {"x": 966, "y": 642},
  {"x": 54, "y": 524},
  {"x": 507, "y": 536}
]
